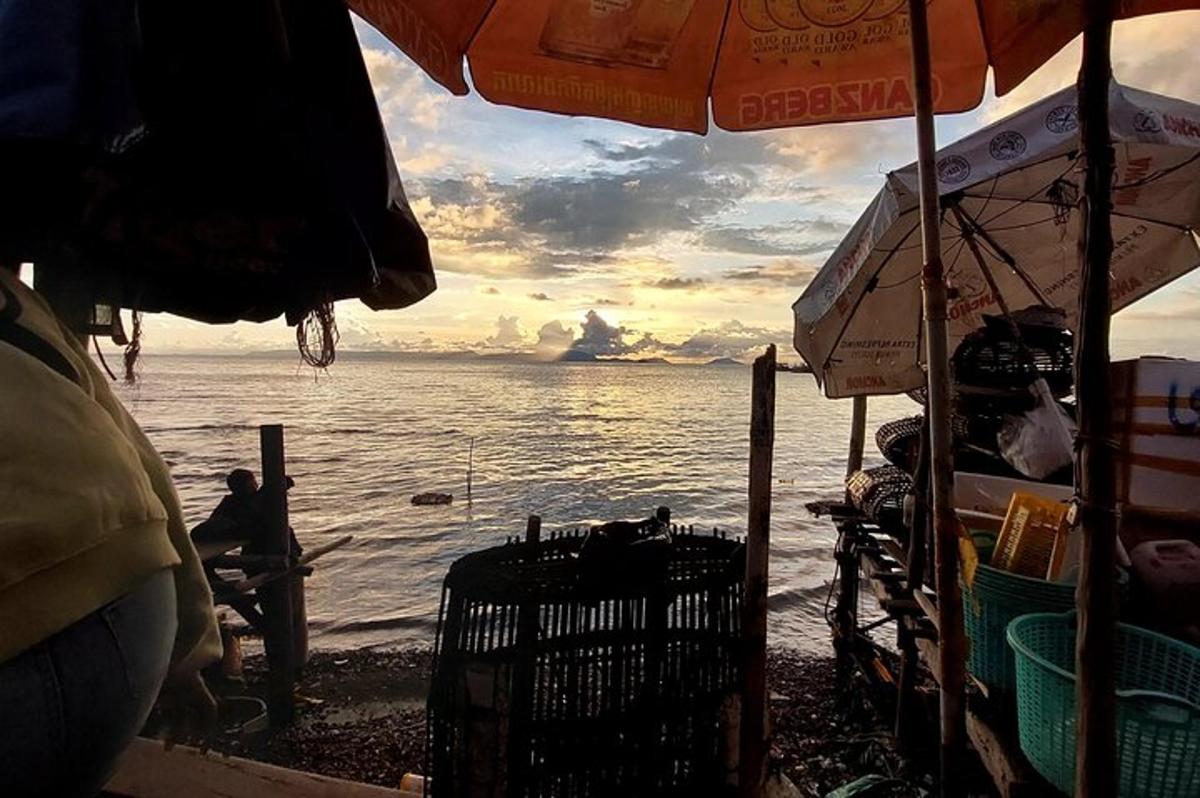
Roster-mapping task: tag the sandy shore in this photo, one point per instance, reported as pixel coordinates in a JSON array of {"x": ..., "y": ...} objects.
[{"x": 364, "y": 719}]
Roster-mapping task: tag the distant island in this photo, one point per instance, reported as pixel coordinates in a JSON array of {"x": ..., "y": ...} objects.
[
  {"x": 467, "y": 355},
  {"x": 795, "y": 368}
]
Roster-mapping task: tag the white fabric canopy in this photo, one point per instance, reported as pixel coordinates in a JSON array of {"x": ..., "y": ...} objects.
[{"x": 1015, "y": 185}]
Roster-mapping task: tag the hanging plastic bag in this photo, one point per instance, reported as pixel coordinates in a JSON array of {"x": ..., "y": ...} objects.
[{"x": 1040, "y": 441}]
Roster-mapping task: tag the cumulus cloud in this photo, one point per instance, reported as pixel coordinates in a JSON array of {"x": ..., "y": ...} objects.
[
  {"x": 731, "y": 339},
  {"x": 402, "y": 91},
  {"x": 490, "y": 290},
  {"x": 554, "y": 338},
  {"x": 355, "y": 334},
  {"x": 508, "y": 335},
  {"x": 539, "y": 296}
]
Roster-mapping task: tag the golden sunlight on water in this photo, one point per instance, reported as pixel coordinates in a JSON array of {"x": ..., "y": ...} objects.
[{"x": 575, "y": 443}]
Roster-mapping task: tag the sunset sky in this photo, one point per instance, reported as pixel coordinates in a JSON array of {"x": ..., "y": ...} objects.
[{"x": 546, "y": 230}]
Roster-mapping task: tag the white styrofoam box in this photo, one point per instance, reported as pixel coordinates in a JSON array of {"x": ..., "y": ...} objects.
[
  {"x": 1156, "y": 406},
  {"x": 983, "y": 493}
]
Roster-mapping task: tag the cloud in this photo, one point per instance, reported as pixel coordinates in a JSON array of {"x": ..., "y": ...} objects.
[
  {"x": 606, "y": 302},
  {"x": 800, "y": 237},
  {"x": 540, "y": 297},
  {"x": 508, "y": 335},
  {"x": 779, "y": 272},
  {"x": 730, "y": 339},
  {"x": 402, "y": 90},
  {"x": 354, "y": 334},
  {"x": 490, "y": 290},
  {"x": 554, "y": 338},
  {"x": 677, "y": 283}
]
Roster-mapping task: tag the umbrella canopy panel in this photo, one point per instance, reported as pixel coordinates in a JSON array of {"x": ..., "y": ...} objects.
[
  {"x": 1014, "y": 189},
  {"x": 763, "y": 63}
]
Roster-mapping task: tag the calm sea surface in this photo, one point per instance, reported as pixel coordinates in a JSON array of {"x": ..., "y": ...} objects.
[{"x": 575, "y": 443}]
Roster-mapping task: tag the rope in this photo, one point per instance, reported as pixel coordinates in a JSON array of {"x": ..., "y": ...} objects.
[
  {"x": 100, "y": 357},
  {"x": 317, "y": 336},
  {"x": 133, "y": 349}
]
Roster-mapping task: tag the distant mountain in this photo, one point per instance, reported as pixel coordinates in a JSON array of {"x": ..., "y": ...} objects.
[
  {"x": 645, "y": 361},
  {"x": 725, "y": 361}
]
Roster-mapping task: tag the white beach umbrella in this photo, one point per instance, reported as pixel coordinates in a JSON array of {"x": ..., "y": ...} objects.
[{"x": 1009, "y": 219}]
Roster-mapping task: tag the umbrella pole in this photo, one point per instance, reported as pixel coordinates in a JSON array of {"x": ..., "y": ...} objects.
[
  {"x": 1096, "y": 749},
  {"x": 951, "y": 645}
]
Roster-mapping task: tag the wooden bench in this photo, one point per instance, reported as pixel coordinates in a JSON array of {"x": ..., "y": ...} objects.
[{"x": 146, "y": 770}]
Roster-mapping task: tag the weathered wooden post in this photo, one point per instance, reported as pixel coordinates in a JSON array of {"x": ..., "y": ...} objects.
[
  {"x": 1096, "y": 746},
  {"x": 752, "y": 768},
  {"x": 858, "y": 436},
  {"x": 276, "y": 596},
  {"x": 951, "y": 638}
]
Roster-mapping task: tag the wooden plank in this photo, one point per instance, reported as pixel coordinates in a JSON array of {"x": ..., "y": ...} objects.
[
  {"x": 752, "y": 769},
  {"x": 926, "y": 603},
  {"x": 1001, "y": 756},
  {"x": 243, "y": 586},
  {"x": 215, "y": 548},
  {"x": 146, "y": 770},
  {"x": 895, "y": 551}
]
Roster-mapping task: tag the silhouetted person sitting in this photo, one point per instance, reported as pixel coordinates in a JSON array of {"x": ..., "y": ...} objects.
[{"x": 237, "y": 516}]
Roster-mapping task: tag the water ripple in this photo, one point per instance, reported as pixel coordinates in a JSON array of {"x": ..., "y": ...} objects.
[{"x": 575, "y": 443}]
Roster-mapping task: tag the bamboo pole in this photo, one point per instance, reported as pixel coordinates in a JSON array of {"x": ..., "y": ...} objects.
[
  {"x": 276, "y": 597},
  {"x": 752, "y": 767},
  {"x": 1096, "y": 749},
  {"x": 951, "y": 647}
]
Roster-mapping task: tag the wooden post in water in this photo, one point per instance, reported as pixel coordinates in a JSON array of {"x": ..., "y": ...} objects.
[
  {"x": 1096, "y": 747},
  {"x": 276, "y": 596},
  {"x": 951, "y": 638},
  {"x": 858, "y": 436},
  {"x": 752, "y": 769}
]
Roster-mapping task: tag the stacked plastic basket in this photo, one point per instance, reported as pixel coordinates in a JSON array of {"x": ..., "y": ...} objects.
[{"x": 1158, "y": 706}]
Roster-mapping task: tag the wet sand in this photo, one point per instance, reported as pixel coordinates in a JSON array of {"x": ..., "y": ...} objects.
[{"x": 364, "y": 720}]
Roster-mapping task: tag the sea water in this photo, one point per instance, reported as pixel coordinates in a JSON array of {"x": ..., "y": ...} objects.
[{"x": 574, "y": 443}]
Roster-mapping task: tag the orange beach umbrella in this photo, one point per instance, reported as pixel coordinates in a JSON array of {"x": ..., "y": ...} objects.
[{"x": 763, "y": 63}]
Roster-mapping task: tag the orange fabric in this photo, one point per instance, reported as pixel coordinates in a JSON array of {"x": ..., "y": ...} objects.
[
  {"x": 1023, "y": 34},
  {"x": 641, "y": 61},
  {"x": 806, "y": 62},
  {"x": 780, "y": 62}
]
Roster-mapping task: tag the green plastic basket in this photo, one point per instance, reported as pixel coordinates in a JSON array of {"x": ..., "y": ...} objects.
[
  {"x": 990, "y": 605},
  {"x": 1158, "y": 706}
]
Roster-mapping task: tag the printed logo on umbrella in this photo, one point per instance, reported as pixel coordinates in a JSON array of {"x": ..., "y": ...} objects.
[
  {"x": 767, "y": 15},
  {"x": 1007, "y": 145},
  {"x": 1062, "y": 119},
  {"x": 1147, "y": 122},
  {"x": 953, "y": 169}
]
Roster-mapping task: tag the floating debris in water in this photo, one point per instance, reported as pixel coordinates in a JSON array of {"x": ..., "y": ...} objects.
[{"x": 432, "y": 498}]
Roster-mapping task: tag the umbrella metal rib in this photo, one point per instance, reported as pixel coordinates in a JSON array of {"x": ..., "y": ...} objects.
[{"x": 973, "y": 228}]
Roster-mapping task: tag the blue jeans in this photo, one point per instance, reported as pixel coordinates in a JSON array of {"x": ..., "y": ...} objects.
[{"x": 71, "y": 704}]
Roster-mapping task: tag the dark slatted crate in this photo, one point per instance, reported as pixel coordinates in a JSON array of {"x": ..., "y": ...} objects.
[{"x": 604, "y": 674}]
